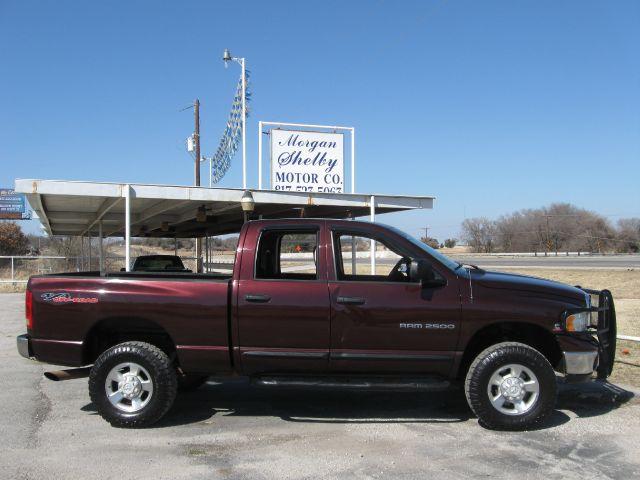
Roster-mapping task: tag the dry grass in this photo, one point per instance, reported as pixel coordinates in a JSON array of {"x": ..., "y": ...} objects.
[
  {"x": 458, "y": 249},
  {"x": 627, "y": 366},
  {"x": 624, "y": 285},
  {"x": 628, "y": 314},
  {"x": 12, "y": 287}
]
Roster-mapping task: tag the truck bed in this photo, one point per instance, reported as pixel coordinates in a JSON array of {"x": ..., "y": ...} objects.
[{"x": 193, "y": 309}]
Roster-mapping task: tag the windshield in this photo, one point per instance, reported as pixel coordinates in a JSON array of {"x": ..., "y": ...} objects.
[{"x": 446, "y": 261}]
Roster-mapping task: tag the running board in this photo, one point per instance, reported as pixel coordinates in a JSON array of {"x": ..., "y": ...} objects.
[{"x": 354, "y": 383}]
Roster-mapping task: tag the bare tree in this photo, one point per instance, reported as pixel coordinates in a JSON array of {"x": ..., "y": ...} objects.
[
  {"x": 628, "y": 235},
  {"x": 12, "y": 240},
  {"x": 432, "y": 242},
  {"x": 479, "y": 234},
  {"x": 557, "y": 227}
]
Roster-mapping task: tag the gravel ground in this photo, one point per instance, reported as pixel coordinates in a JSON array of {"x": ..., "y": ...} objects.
[{"x": 233, "y": 430}]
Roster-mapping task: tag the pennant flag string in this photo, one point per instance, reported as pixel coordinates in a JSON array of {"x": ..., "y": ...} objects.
[{"x": 232, "y": 133}]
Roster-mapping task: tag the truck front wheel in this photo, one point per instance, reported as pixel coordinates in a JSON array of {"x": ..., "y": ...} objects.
[
  {"x": 132, "y": 384},
  {"x": 511, "y": 386}
]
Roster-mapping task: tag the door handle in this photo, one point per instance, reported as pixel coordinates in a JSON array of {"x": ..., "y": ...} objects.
[
  {"x": 351, "y": 300},
  {"x": 257, "y": 298}
]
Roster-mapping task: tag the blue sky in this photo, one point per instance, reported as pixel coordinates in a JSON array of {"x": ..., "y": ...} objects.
[{"x": 489, "y": 106}]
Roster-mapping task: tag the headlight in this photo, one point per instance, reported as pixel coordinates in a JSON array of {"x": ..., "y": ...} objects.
[{"x": 577, "y": 322}]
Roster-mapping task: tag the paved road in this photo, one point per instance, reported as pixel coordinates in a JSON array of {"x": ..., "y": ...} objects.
[
  {"x": 622, "y": 261},
  {"x": 232, "y": 431},
  {"x": 618, "y": 261}
]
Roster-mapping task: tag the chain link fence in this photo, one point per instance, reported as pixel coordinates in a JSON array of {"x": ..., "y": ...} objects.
[{"x": 18, "y": 269}]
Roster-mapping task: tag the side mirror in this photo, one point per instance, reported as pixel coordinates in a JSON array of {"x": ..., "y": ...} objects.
[
  {"x": 422, "y": 271},
  {"x": 123, "y": 269}
]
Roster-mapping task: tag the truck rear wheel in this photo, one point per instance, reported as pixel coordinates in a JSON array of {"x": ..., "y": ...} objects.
[
  {"x": 511, "y": 386},
  {"x": 132, "y": 384}
]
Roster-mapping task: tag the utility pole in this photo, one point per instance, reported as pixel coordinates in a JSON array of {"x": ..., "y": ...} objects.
[
  {"x": 548, "y": 237},
  {"x": 555, "y": 239},
  {"x": 196, "y": 138}
]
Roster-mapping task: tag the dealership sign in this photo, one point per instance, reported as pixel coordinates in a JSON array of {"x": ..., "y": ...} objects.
[
  {"x": 305, "y": 161},
  {"x": 13, "y": 206}
]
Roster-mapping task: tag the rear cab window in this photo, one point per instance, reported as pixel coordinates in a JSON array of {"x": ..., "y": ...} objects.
[
  {"x": 156, "y": 263},
  {"x": 287, "y": 255}
]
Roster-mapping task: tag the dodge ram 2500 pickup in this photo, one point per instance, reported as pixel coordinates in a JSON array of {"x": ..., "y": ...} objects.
[{"x": 305, "y": 306}]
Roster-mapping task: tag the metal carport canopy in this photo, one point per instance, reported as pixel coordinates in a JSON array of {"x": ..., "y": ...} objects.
[{"x": 86, "y": 208}]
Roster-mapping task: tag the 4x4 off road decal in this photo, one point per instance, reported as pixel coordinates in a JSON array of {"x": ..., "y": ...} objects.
[{"x": 65, "y": 297}]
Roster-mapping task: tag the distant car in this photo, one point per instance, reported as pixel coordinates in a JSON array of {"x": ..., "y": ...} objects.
[{"x": 159, "y": 263}]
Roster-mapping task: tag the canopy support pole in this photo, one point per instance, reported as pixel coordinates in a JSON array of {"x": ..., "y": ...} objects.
[
  {"x": 100, "y": 249},
  {"x": 81, "y": 253},
  {"x": 373, "y": 242},
  {"x": 206, "y": 243},
  {"x": 127, "y": 228},
  {"x": 353, "y": 250}
]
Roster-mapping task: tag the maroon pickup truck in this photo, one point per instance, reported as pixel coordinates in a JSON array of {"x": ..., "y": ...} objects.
[{"x": 305, "y": 306}]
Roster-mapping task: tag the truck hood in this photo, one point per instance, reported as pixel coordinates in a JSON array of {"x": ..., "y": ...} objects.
[{"x": 510, "y": 281}]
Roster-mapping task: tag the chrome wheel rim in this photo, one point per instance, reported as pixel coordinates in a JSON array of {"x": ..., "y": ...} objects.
[
  {"x": 129, "y": 387},
  {"x": 513, "y": 389}
]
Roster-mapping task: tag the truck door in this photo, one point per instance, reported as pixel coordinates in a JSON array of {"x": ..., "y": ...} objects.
[
  {"x": 283, "y": 301},
  {"x": 381, "y": 322}
]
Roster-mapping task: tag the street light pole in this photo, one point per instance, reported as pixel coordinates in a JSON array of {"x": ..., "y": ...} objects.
[
  {"x": 228, "y": 58},
  {"x": 244, "y": 126}
]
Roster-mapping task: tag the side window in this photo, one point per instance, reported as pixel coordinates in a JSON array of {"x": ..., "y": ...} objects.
[
  {"x": 353, "y": 260},
  {"x": 287, "y": 255}
]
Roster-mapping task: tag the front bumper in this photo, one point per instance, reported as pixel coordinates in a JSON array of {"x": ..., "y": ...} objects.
[
  {"x": 24, "y": 346},
  {"x": 580, "y": 363}
]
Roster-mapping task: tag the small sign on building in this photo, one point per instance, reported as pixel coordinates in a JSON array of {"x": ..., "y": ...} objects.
[
  {"x": 13, "y": 206},
  {"x": 304, "y": 161}
]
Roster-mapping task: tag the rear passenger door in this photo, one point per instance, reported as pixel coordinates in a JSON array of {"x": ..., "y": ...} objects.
[{"x": 283, "y": 302}]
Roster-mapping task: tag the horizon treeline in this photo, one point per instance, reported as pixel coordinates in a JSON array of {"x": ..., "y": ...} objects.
[{"x": 560, "y": 227}]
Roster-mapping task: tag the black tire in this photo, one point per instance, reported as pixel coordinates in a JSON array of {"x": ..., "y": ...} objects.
[
  {"x": 189, "y": 383},
  {"x": 488, "y": 363},
  {"x": 161, "y": 373}
]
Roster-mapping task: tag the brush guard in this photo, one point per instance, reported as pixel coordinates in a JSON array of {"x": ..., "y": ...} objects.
[{"x": 606, "y": 330}]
